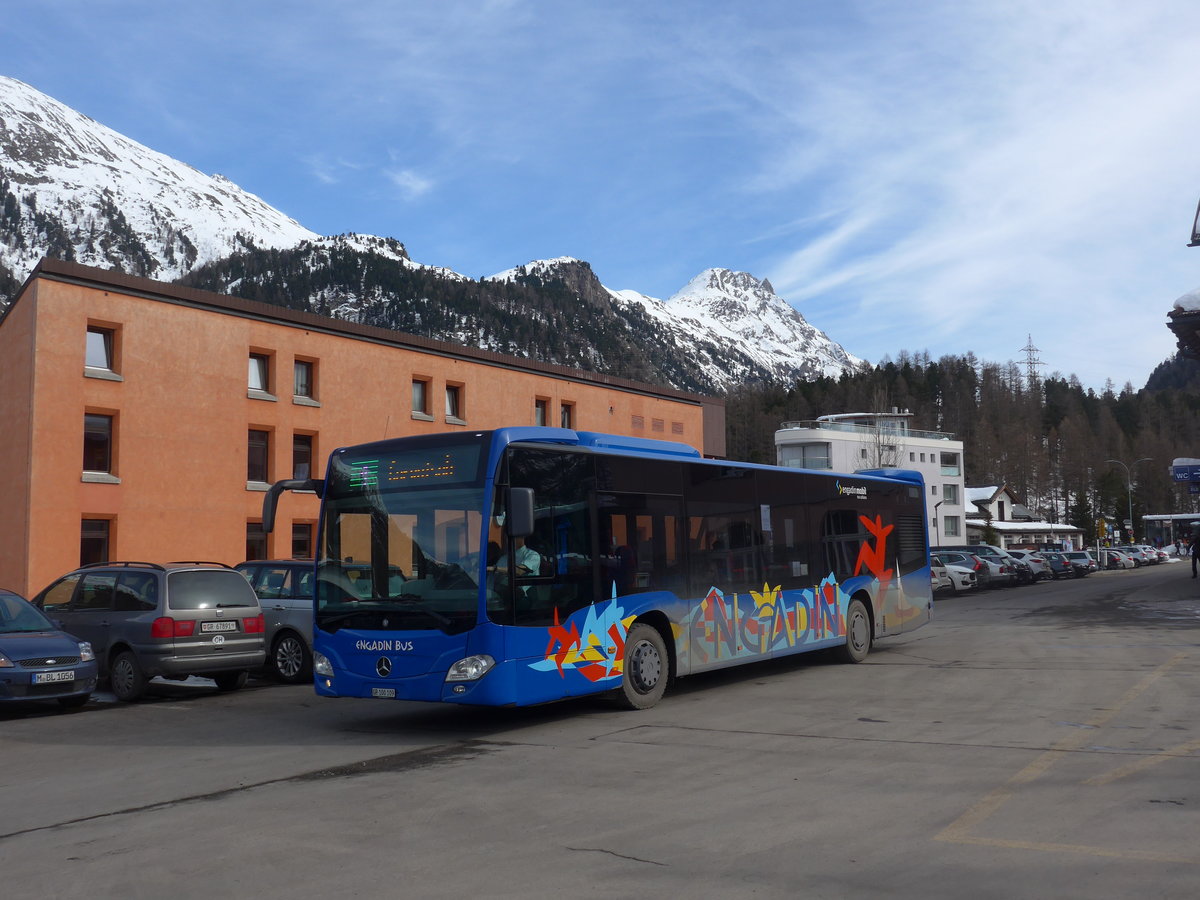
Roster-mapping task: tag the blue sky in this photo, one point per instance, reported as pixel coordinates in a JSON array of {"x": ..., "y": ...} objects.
[{"x": 944, "y": 176}]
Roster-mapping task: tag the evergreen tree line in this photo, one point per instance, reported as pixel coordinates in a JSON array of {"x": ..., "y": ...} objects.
[{"x": 1048, "y": 439}]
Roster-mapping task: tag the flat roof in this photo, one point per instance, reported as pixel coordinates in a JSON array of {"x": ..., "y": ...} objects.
[{"x": 226, "y": 304}]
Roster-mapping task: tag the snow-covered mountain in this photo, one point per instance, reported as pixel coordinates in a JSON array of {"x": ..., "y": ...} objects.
[
  {"x": 734, "y": 326},
  {"x": 74, "y": 189},
  {"x": 74, "y": 186}
]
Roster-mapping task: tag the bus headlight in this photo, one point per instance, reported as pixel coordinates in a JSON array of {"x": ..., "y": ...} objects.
[
  {"x": 321, "y": 664},
  {"x": 470, "y": 669}
]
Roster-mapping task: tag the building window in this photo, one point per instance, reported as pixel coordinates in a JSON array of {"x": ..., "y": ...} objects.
[
  {"x": 922, "y": 457},
  {"x": 258, "y": 448},
  {"x": 97, "y": 443},
  {"x": 259, "y": 378},
  {"x": 541, "y": 411},
  {"x": 94, "y": 537},
  {"x": 302, "y": 455},
  {"x": 101, "y": 342},
  {"x": 912, "y": 457},
  {"x": 933, "y": 490},
  {"x": 638, "y": 423},
  {"x": 256, "y": 541},
  {"x": 566, "y": 416},
  {"x": 420, "y": 399},
  {"x": 658, "y": 425},
  {"x": 302, "y": 540},
  {"x": 304, "y": 380},
  {"x": 863, "y": 452},
  {"x": 950, "y": 464},
  {"x": 676, "y": 428},
  {"x": 805, "y": 456},
  {"x": 950, "y": 494},
  {"x": 951, "y": 525},
  {"x": 454, "y": 403}
]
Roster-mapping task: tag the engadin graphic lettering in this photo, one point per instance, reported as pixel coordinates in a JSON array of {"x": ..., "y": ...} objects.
[{"x": 724, "y": 627}]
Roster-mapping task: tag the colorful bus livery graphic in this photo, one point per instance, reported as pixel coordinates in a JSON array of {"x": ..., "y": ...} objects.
[
  {"x": 722, "y": 630},
  {"x": 527, "y": 565}
]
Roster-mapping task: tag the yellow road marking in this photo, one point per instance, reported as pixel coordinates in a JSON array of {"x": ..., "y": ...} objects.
[
  {"x": 959, "y": 831},
  {"x": 1179, "y": 752}
]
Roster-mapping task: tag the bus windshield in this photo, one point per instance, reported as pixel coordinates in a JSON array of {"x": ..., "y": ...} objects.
[{"x": 400, "y": 541}]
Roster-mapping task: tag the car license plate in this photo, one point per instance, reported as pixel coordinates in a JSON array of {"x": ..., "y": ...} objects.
[
  {"x": 383, "y": 692},
  {"x": 218, "y": 626},
  {"x": 49, "y": 677}
]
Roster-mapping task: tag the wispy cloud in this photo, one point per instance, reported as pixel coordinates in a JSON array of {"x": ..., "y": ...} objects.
[{"x": 411, "y": 184}]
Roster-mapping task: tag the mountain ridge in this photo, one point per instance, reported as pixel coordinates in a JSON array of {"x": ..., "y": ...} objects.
[{"x": 74, "y": 189}]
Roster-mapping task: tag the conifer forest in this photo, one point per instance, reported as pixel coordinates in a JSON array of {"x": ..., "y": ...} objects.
[{"x": 1048, "y": 439}]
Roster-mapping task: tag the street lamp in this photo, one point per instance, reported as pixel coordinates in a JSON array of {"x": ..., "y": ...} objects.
[
  {"x": 1129, "y": 485},
  {"x": 937, "y": 537}
]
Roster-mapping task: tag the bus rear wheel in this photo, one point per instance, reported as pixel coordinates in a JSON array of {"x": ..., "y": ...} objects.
[
  {"x": 646, "y": 668},
  {"x": 858, "y": 633}
]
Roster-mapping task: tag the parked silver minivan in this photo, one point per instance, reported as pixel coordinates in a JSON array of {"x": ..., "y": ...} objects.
[{"x": 144, "y": 620}]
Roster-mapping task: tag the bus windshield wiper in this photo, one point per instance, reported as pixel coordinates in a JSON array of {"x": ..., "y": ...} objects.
[{"x": 430, "y": 614}]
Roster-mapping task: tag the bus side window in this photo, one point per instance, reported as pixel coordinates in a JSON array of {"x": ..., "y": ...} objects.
[{"x": 563, "y": 484}]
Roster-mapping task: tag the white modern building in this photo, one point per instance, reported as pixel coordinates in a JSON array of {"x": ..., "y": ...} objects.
[{"x": 851, "y": 441}]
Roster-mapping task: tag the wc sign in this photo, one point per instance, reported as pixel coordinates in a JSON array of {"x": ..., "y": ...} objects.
[{"x": 1186, "y": 470}]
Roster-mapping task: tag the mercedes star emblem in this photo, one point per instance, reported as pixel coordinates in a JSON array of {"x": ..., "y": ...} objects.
[{"x": 383, "y": 667}]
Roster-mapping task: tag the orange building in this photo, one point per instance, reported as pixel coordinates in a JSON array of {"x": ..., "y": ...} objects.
[{"x": 143, "y": 420}]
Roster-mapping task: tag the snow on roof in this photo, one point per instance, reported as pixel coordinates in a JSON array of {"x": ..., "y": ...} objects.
[
  {"x": 1027, "y": 527},
  {"x": 981, "y": 494},
  {"x": 1189, "y": 302}
]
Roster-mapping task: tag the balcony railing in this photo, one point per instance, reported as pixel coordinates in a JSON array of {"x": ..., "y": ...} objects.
[{"x": 867, "y": 430}]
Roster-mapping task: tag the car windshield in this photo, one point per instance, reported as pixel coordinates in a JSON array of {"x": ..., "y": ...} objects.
[{"x": 17, "y": 616}]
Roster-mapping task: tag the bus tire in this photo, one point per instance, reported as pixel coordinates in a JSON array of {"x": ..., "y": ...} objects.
[
  {"x": 858, "y": 633},
  {"x": 646, "y": 667}
]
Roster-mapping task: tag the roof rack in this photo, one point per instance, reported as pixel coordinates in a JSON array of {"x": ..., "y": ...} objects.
[
  {"x": 198, "y": 562},
  {"x": 120, "y": 564}
]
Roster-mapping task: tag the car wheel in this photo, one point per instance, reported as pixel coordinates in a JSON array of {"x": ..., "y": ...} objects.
[
  {"x": 858, "y": 633},
  {"x": 230, "y": 681},
  {"x": 646, "y": 667},
  {"x": 126, "y": 678},
  {"x": 290, "y": 659},
  {"x": 74, "y": 702}
]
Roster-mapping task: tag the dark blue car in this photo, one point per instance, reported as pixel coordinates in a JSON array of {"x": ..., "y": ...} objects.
[{"x": 38, "y": 661}]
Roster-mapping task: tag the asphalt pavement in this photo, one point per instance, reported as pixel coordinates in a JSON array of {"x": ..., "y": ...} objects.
[{"x": 1040, "y": 741}]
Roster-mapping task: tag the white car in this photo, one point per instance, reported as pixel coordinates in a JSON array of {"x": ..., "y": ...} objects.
[
  {"x": 1041, "y": 568},
  {"x": 1117, "y": 559},
  {"x": 939, "y": 578},
  {"x": 963, "y": 579}
]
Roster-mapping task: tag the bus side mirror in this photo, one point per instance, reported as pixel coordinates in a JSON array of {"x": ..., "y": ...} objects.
[
  {"x": 520, "y": 511},
  {"x": 271, "y": 500}
]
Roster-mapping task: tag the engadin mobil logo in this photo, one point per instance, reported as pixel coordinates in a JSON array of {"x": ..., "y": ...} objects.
[{"x": 851, "y": 490}]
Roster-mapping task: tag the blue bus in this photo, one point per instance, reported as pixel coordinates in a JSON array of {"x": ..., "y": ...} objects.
[{"x": 525, "y": 565}]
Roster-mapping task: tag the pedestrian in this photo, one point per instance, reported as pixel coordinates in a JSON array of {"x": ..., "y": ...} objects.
[{"x": 1195, "y": 546}]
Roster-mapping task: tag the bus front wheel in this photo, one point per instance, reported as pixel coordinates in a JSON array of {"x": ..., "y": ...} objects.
[
  {"x": 858, "y": 633},
  {"x": 646, "y": 668}
]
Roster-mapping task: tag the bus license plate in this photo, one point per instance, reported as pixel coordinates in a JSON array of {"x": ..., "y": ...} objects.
[
  {"x": 218, "y": 626},
  {"x": 383, "y": 692},
  {"x": 49, "y": 677}
]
